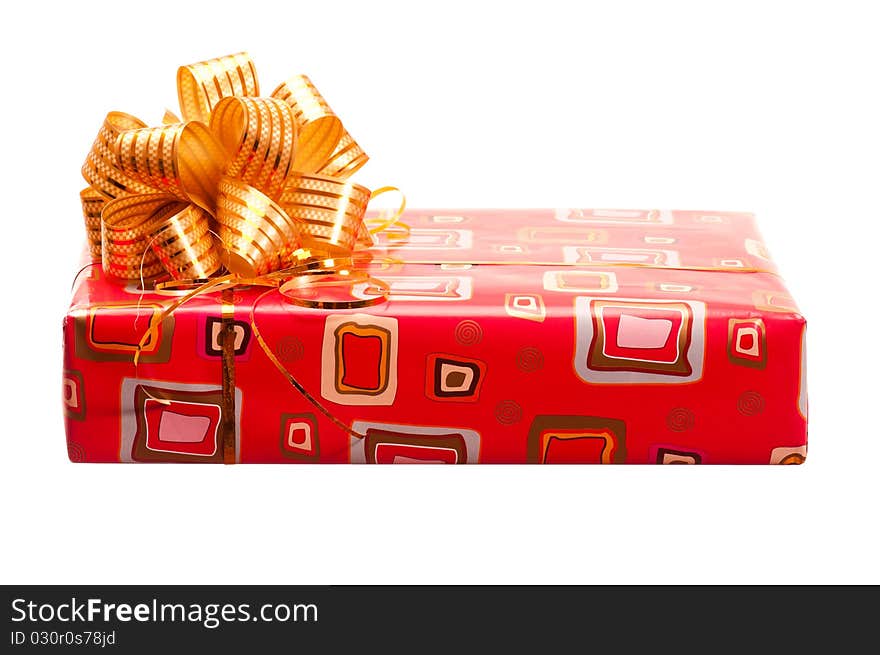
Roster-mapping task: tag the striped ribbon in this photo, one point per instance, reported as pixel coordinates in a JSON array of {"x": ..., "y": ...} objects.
[{"x": 253, "y": 185}]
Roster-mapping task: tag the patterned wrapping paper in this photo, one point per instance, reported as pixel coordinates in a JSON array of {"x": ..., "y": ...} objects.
[{"x": 593, "y": 336}]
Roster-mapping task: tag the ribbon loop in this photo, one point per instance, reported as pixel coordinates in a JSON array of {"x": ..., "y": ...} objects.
[
  {"x": 327, "y": 148},
  {"x": 92, "y": 206},
  {"x": 330, "y": 211},
  {"x": 202, "y": 85},
  {"x": 101, "y": 169},
  {"x": 259, "y": 136},
  {"x": 183, "y": 242},
  {"x": 320, "y": 129},
  {"x": 183, "y": 159},
  {"x": 128, "y": 227},
  {"x": 258, "y": 234},
  {"x": 346, "y": 159}
]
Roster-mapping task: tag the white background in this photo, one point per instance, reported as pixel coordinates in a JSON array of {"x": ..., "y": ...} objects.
[{"x": 764, "y": 106}]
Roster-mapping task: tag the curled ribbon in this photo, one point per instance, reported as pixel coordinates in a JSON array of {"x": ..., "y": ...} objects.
[{"x": 255, "y": 185}]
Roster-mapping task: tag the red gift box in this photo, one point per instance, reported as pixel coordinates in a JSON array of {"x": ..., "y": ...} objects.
[{"x": 508, "y": 336}]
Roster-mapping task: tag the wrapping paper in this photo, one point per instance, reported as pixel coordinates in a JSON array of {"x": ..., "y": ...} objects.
[{"x": 508, "y": 336}]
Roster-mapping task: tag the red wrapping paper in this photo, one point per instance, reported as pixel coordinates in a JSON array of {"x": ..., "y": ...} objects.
[{"x": 509, "y": 336}]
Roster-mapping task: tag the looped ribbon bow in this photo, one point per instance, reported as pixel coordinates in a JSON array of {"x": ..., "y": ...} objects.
[{"x": 256, "y": 185}]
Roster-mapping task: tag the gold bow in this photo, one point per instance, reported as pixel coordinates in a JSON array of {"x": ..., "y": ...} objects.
[{"x": 251, "y": 184}]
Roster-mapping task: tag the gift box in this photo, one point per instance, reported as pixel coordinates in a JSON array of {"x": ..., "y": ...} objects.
[
  {"x": 478, "y": 336},
  {"x": 241, "y": 305}
]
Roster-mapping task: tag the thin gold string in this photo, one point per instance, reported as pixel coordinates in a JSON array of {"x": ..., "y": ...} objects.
[
  {"x": 391, "y": 221},
  {"x": 289, "y": 376}
]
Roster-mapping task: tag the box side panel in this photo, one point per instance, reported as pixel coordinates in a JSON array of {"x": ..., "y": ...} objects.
[
  {"x": 466, "y": 363},
  {"x": 627, "y": 367}
]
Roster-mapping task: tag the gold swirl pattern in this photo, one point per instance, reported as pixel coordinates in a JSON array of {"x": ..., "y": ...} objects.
[
  {"x": 76, "y": 452},
  {"x": 508, "y": 412},
  {"x": 750, "y": 403},
  {"x": 680, "y": 419},
  {"x": 530, "y": 359},
  {"x": 468, "y": 333},
  {"x": 289, "y": 348}
]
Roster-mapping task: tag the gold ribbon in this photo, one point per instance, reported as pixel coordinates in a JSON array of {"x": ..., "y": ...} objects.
[{"x": 255, "y": 185}]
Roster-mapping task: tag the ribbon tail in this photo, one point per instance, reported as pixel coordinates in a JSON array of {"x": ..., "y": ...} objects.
[
  {"x": 152, "y": 331},
  {"x": 227, "y": 411},
  {"x": 380, "y": 224},
  {"x": 289, "y": 376}
]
